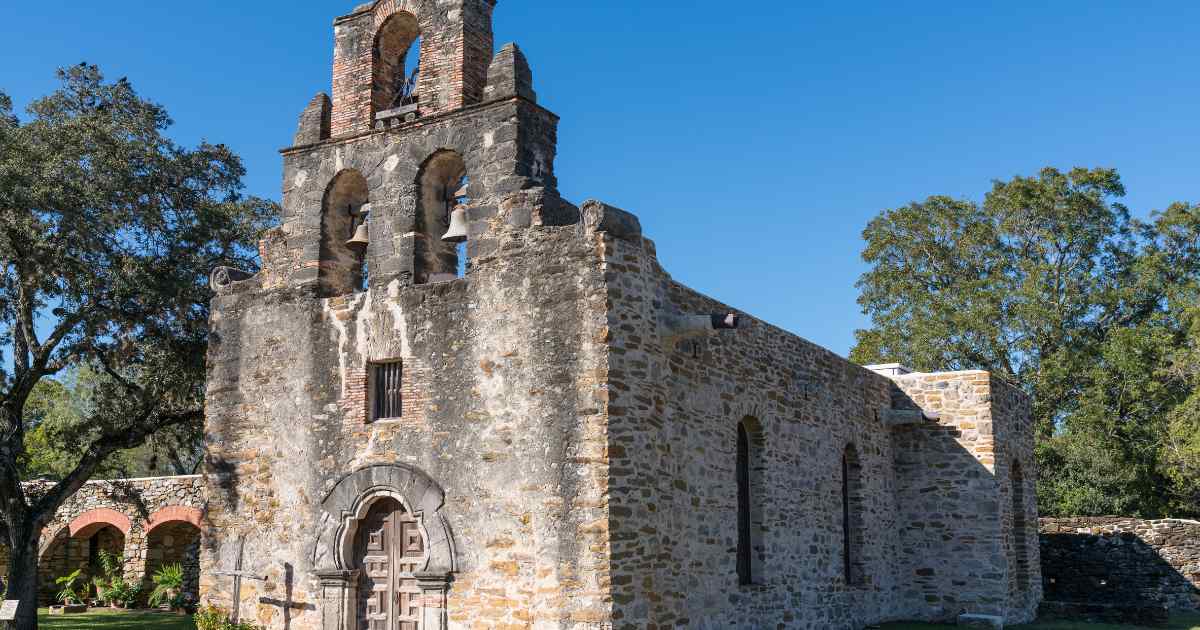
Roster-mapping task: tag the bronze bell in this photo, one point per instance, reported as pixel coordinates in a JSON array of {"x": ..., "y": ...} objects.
[
  {"x": 458, "y": 226},
  {"x": 361, "y": 238}
]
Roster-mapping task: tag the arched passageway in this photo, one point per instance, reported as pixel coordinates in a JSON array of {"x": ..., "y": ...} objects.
[
  {"x": 175, "y": 542},
  {"x": 67, "y": 552}
]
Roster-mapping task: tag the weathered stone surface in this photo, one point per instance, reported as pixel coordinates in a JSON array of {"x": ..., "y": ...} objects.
[
  {"x": 569, "y": 457},
  {"x": 1129, "y": 569},
  {"x": 315, "y": 121}
]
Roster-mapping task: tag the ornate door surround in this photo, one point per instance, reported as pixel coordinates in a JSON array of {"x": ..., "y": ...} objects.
[{"x": 347, "y": 509}]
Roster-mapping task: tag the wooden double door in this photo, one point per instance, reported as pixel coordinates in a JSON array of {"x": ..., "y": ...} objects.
[{"x": 389, "y": 549}]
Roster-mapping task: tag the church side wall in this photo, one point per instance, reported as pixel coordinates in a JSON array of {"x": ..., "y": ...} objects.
[
  {"x": 503, "y": 409},
  {"x": 958, "y": 546},
  {"x": 673, "y": 419}
]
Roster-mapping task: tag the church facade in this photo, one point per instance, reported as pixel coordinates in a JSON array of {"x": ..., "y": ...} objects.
[{"x": 453, "y": 399}]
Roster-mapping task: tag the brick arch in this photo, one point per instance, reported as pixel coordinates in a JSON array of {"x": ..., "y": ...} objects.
[
  {"x": 93, "y": 520},
  {"x": 172, "y": 514}
]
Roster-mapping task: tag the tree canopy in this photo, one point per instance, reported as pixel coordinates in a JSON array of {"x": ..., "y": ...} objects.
[
  {"x": 1050, "y": 284},
  {"x": 109, "y": 231}
]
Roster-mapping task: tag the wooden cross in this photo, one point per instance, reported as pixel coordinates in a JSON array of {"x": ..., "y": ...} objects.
[{"x": 238, "y": 575}]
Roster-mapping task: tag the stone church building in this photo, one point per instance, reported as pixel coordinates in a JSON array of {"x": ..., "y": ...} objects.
[{"x": 453, "y": 399}]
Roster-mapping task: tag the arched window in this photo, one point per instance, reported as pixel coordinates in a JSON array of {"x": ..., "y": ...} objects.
[
  {"x": 442, "y": 182},
  {"x": 750, "y": 494},
  {"x": 1020, "y": 532},
  {"x": 396, "y": 62},
  {"x": 853, "y": 569}
]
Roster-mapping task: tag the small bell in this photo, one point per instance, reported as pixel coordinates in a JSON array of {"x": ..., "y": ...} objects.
[
  {"x": 361, "y": 238},
  {"x": 458, "y": 226}
]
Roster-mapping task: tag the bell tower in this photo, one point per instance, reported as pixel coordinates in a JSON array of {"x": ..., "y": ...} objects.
[
  {"x": 429, "y": 148},
  {"x": 376, "y": 82}
]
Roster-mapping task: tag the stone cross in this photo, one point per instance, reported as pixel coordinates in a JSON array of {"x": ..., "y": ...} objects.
[{"x": 238, "y": 575}]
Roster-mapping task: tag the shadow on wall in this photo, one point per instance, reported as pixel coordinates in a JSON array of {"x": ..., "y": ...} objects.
[{"x": 1120, "y": 570}]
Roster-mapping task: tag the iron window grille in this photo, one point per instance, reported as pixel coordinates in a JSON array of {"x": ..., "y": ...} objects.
[{"x": 386, "y": 398}]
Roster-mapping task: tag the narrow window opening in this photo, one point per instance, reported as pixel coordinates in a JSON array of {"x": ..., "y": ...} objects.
[
  {"x": 744, "y": 559},
  {"x": 1020, "y": 534},
  {"x": 387, "y": 380},
  {"x": 751, "y": 498},
  {"x": 853, "y": 569}
]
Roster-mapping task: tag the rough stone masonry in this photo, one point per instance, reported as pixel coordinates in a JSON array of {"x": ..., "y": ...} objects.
[{"x": 540, "y": 428}]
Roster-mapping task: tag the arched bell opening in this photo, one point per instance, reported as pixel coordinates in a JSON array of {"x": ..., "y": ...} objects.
[
  {"x": 439, "y": 250},
  {"x": 345, "y": 211},
  {"x": 396, "y": 63}
]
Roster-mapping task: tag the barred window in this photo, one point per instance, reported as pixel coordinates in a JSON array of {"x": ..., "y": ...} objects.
[{"x": 387, "y": 401}]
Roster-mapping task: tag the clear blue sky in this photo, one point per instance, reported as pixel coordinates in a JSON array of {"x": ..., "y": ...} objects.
[{"x": 755, "y": 139}]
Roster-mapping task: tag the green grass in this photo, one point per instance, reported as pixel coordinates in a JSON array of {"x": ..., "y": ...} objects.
[
  {"x": 1178, "y": 622},
  {"x": 115, "y": 620}
]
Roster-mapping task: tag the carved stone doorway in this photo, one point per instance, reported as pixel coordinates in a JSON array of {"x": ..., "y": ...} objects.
[{"x": 389, "y": 550}]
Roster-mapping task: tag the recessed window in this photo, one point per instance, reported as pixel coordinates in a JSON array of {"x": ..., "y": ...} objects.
[{"x": 387, "y": 380}]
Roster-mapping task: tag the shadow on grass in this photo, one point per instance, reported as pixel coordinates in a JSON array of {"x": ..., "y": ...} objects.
[
  {"x": 115, "y": 620},
  {"x": 1178, "y": 622}
]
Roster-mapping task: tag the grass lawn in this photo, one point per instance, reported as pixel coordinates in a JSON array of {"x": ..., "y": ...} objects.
[
  {"x": 115, "y": 620},
  {"x": 1178, "y": 622}
]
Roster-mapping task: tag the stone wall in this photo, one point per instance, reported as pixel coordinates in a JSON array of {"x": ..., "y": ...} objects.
[
  {"x": 1122, "y": 561},
  {"x": 502, "y": 417},
  {"x": 118, "y": 516},
  {"x": 673, "y": 411},
  {"x": 956, "y": 497}
]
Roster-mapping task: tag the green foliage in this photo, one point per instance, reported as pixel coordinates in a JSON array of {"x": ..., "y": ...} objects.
[
  {"x": 211, "y": 617},
  {"x": 1051, "y": 285},
  {"x": 168, "y": 581},
  {"x": 109, "y": 231},
  {"x": 111, "y": 567},
  {"x": 122, "y": 592},
  {"x": 70, "y": 587}
]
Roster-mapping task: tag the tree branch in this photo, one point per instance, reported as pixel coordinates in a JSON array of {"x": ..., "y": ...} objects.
[{"x": 100, "y": 449}]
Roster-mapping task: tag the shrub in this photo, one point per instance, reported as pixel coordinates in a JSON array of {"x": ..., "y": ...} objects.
[
  {"x": 213, "y": 618},
  {"x": 168, "y": 582}
]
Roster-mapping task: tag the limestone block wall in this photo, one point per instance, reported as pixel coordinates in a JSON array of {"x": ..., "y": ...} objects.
[
  {"x": 505, "y": 389},
  {"x": 958, "y": 540},
  {"x": 673, "y": 417},
  {"x": 1115, "y": 560}
]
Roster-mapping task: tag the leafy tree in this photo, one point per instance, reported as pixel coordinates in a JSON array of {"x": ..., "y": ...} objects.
[
  {"x": 1051, "y": 285},
  {"x": 108, "y": 232}
]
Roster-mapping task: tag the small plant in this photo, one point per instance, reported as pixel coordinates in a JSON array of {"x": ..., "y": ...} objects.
[
  {"x": 168, "y": 583},
  {"x": 123, "y": 593},
  {"x": 69, "y": 595},
  {"x": 213, "y": 618}
]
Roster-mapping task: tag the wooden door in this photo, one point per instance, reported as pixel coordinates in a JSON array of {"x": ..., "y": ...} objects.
[{"x": 390, "y": 550}]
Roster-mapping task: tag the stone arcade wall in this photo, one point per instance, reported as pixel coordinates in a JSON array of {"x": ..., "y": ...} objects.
[
  {"x": 1114, "y": 560},
  {"x": 120, "y": 514}
]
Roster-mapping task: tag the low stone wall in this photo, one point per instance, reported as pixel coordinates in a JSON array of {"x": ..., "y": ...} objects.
[
  {"x": 150, "y": 522},
  {"x": 1121, "y": 562}
]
